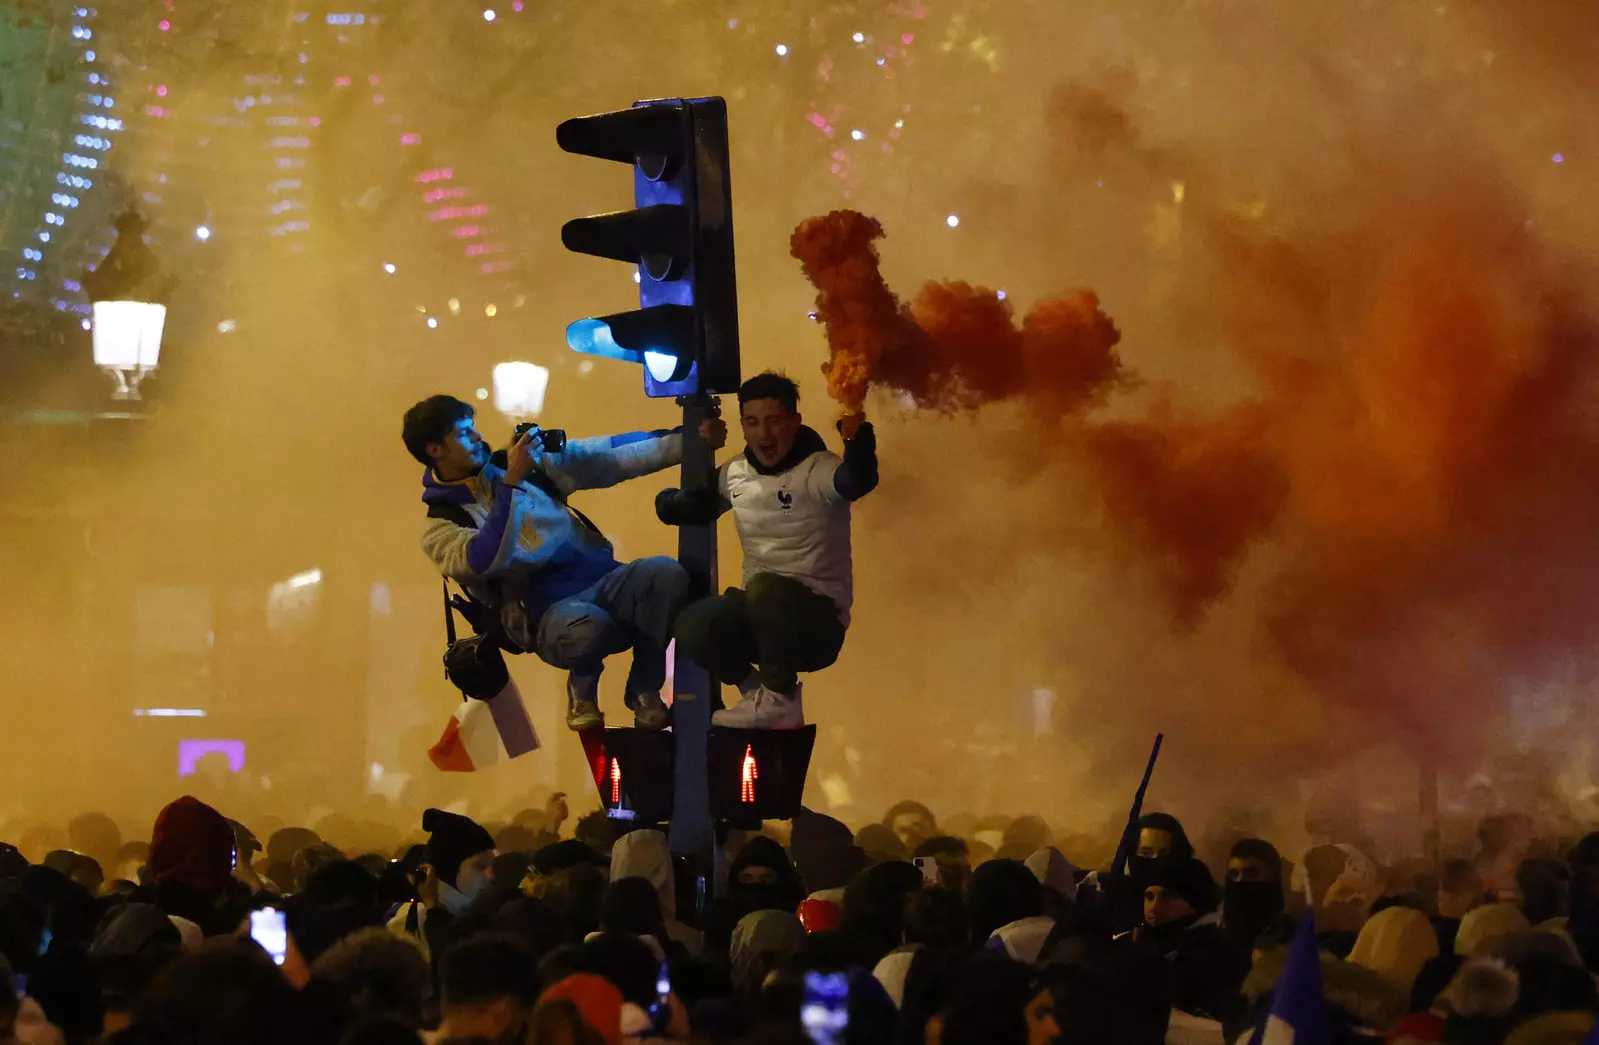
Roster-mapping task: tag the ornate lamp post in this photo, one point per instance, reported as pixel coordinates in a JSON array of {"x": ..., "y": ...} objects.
[{"x": 128, "y": 295}]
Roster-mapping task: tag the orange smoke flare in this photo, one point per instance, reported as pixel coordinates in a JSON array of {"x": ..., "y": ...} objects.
[{"x": 956, "y": 346}]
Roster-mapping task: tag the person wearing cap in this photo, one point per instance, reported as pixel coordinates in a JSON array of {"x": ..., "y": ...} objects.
[{"x": 460, "y": 856}]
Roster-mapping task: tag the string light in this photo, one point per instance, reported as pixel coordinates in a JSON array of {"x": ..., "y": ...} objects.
[
  {"x": 202, "y": 233},
  {"x": 433, "y": 323},
  {"x": 953, "y": 220},
  {"x": 489, "y": 16},
  {"x": 859, "y": 38},
  {"x": 389, "y": 268},
  {"x": 857, "y": 135},
  {"x": 782, "y": 50}
]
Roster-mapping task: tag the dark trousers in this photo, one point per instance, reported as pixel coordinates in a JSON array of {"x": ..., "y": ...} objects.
[{"x": 774, "y": 622}]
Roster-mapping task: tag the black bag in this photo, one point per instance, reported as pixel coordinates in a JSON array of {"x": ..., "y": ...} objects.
[{"x": 475, "y": 665}]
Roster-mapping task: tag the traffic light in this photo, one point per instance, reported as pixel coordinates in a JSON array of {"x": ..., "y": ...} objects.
[
  {"x": 680, "y": 234},
  {"x": 632, "y": 769},
  {"x": 758, "y": 774}
]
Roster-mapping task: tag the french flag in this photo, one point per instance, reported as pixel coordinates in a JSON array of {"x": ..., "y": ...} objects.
[
  {"x": 484, "y": 733},
  {"x": 1298, "y": 1014}
]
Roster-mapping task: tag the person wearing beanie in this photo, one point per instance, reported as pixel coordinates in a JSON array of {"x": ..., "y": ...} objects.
[
  {"x": 461, "y": 854},
  {"x": 460, "y": 859},
  {"x": 1181, "y": 924}
]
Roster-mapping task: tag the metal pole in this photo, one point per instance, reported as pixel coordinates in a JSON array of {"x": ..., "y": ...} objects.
[
  {"x": 691, "y": 829},
  {"x": 1431, "y": 827}
]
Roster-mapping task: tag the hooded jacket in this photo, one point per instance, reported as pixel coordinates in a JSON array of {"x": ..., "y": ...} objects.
[
  {"x": 192, "y": 844},
  {"x": 643, "y": 854},
  {"x": 793, "y": 519},
  {"x": 527, "y": 549}
]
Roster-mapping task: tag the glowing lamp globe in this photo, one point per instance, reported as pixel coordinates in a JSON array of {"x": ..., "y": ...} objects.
[
  {"x": 519, "y": 389},
  {"x": 127, "y": 342}
]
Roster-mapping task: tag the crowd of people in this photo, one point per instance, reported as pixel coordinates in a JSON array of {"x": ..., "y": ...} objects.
[{"x": 894, "y": 934}]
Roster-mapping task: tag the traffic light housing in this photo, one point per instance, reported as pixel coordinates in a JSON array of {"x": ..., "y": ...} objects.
[
  {"x": 753, "y": 774},
  {"x": 758, "y": 774},
  {"x": 633, "y": 770},
  {"x": 680, "y": 234}
]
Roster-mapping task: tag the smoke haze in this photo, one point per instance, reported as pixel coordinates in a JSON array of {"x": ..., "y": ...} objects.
[{"x": 1339, "y": 512}]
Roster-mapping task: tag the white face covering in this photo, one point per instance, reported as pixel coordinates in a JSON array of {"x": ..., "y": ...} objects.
[{"x": 454, "y": 900}]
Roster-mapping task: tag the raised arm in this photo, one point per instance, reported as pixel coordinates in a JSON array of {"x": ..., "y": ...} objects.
[
  {"x": 594, "y": 464},
  {"x": 857, "y": 476}
]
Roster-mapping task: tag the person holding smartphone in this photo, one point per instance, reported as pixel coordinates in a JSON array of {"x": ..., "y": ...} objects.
[
  {"x": 508, "y": 536},
  {"x": 790, "y": 498}
]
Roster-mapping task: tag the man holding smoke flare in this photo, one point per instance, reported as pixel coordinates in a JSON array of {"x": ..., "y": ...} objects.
[{"x": 790, "y": 497}]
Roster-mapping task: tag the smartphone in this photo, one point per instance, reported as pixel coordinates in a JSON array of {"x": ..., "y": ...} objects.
[
  {"x": 824, "y": 1012},
  {"x": 929, "y": 867},
  {"x": 268, "y": 928},
  {"x": 661, "y": 1010}
]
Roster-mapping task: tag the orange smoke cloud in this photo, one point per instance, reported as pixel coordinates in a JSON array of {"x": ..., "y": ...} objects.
[
  {"x": 1413, "y": 455},
  {"x": 955, "y": 346}
]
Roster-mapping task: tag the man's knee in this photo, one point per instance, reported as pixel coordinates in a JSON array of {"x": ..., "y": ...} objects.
[
  {"x": 700, "y": 625},
  {"x": 665, "y": 576},
  {"x": 575, "y": 635}
]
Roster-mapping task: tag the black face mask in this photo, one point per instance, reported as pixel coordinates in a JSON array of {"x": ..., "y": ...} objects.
[
  {"x": 763, "y": 896},
  {"x": 1248, "y": 907}
]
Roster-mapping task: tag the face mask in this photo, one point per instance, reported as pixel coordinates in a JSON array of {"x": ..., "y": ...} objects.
[
  {"x": 1248, "y": 907},
  {"x": 761, "y": 897},
  {"x": 454, "y": 900}
]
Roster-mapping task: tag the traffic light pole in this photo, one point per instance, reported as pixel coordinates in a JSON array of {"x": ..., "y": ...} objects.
[{"x": 692, "y": 833}]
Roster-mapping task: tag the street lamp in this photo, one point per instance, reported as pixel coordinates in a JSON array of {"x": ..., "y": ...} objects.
[
  {"x": 129, "y": 312},
  {"x": 127, "y": 342},
  {"x": 519, "y": 389}
]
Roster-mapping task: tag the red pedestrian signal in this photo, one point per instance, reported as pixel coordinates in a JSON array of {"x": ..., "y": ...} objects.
[{"x": 752, "y": 772}]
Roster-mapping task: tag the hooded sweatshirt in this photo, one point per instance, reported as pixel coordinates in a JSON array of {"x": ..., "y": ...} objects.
[
  {"x": 793, "y": 519},
  {"x": 1395, "y": 943},
  {"x": 192, "y": 844},
  {"x": 528, "y": 550},
  {"x": 643, "y": 854}
]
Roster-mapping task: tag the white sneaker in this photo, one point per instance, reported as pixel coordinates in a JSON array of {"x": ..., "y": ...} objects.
[
  {"x": 766, "y": 709},
  {"x": 746, "y": 691}
]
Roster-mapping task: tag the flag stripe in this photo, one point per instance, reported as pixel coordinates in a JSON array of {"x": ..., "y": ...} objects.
[
  {"x": 512, "y": 722},
  {"x": 482, "y": 740},
  {"x": 449, "y": 754}
]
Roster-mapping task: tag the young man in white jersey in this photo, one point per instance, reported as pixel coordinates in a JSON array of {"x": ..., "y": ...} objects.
[{"x": 790, "y": 498}]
